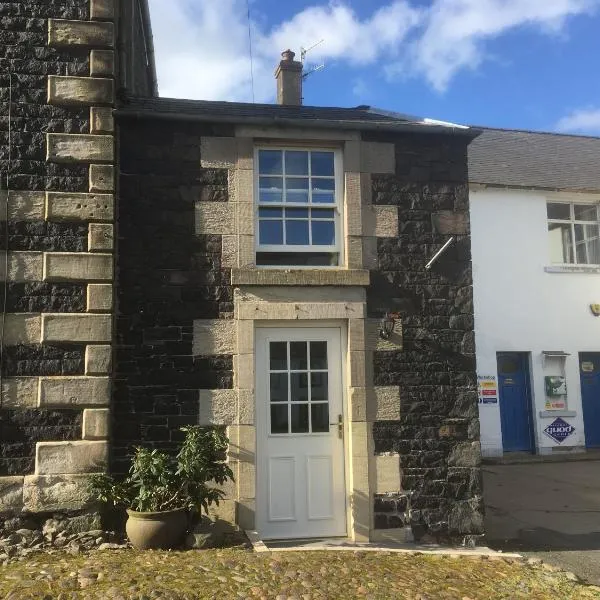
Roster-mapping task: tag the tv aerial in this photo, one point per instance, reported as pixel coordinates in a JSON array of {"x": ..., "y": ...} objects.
[{"x": 304, "y": 52}]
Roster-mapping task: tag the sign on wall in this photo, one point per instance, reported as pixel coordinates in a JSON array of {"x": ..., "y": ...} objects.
[
  {"x": 488, "y": 389},
  {"x": 559, "y": 430}
]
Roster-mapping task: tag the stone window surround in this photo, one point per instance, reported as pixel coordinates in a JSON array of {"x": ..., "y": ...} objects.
[{"x": 363, "y": 222}]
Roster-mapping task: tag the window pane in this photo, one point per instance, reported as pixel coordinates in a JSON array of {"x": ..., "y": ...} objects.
[
  {"x": 319, "y": 416},
  {"x": 586, "y": 244},
  {"x": 318, "y": 386},
  {"x": 299, "y": 387},
  {"x": 321, "y": 163},
  {"x": 270, "y": 232},
  {"x": 585, "y": 212},
  {"x": 271, "y": 213},
  {"x": 296, "y": 162},
  {"x": 278, "y": 386},
  {"x": 323, "y": 233},
  {"x": 593, "y": 244},
  {"x": 279, "y": 418},
  {"x": 318, "y": 355},
  {"x": 559, "y": 210},
  {"x": 278, "y": 356},
  {"x": 271, "y": 189},
  {"x": 296, "y": 213},
  {"x": 296, "y": 189},
  {"x": 270, "y": 162},
  {"x": 561, "y": 246},
  {"x": 297, "y": 196},
  {"x": 322, "y": 213},
  {"x": 296, "y": 233},
  {"x": 323, "y": 197},
  {"x": 298, "y": 355},
  {"x": 299, "y": 418},
  {"x": 323, "y": 185}
]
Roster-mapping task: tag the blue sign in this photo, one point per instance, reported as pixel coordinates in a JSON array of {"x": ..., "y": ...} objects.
[{"x": 559, "y": 430}]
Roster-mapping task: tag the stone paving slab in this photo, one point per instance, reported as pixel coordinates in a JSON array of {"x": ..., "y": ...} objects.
[{"x": 238, "y": 573}]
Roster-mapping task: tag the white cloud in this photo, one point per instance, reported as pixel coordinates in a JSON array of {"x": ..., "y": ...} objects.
[
  {"x": 583, "y": 120},
  {"x": 202, "y": 45},
  {"x": 457, "y": 30}
]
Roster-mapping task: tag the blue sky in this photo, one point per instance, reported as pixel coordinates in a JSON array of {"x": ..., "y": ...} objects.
[{"x": 529, "y": 64}]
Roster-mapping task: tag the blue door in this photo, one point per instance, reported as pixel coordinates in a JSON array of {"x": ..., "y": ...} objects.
[
  {"x": 515, "y": 402},
  {"x": 589, "y": 368}
]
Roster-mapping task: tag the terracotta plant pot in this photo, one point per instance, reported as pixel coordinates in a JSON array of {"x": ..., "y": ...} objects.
[{"x": 156, "y": 530}]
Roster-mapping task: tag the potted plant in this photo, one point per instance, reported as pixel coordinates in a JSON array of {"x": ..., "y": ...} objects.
[{"x": 162, "y": 492}]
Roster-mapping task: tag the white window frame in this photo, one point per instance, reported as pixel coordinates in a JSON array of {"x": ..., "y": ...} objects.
[
  {"x": 339, "y": 193},
  {"x": 572, "y": 222}
]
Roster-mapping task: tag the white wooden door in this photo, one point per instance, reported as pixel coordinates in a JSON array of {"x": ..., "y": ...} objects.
[{"x": 300, "y": 447}]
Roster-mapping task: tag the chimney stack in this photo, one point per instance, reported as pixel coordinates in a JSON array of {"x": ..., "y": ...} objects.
[{"x": 289, "y": 80}]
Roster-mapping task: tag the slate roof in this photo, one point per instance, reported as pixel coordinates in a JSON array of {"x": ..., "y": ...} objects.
[
  {"x": 360, "y": 117},
  {"x": 535, "y": 160}
]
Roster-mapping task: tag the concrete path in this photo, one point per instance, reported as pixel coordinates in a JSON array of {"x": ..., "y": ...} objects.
[{"x": 550, "y": 510}]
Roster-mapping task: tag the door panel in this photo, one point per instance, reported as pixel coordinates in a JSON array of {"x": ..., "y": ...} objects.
[
  {"x": 589, "y": 369},
  {"x": 515, "y": 402},
  {"x": 300, "y": 461}
]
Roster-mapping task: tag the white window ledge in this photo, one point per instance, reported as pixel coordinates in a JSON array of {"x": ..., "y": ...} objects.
[{"x": 573, "y": 269}]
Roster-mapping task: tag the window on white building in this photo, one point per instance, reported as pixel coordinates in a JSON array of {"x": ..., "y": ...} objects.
[
  {"x": 574, "y": 233},
  {"x": 298, "y": 208}
]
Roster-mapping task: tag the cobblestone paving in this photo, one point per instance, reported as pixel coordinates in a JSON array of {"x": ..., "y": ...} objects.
[{"x": 236, "y": 573}]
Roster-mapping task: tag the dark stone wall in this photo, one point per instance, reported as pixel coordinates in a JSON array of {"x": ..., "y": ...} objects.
[
  {"x": 435, "y": 370},
  {"x": 21, "y": 429},
  {"x": 167, "y": 277},
  {"x": 25, "y": 118}
]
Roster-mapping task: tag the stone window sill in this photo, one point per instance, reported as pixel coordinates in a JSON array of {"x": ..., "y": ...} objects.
[
  {"x": 317, "y": 277},
  {"x": 573, "y": 269}
]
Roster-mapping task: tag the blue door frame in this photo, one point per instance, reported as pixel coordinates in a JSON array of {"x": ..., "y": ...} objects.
[
  {"x": 516, "y": 417},
  {"x": 589, "y": 371}
]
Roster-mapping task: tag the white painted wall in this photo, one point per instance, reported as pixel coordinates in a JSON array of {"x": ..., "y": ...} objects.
[{"x": 521, "y": 308}]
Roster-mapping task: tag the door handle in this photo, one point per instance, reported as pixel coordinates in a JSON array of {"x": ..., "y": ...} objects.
[{"x": 340, "y": 425}]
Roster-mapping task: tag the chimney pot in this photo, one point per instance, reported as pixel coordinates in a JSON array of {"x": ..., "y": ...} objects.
[{"x": 289, "y": 80}]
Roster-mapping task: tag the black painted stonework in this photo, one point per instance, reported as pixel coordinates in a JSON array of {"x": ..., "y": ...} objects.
[
  {"x": 43, "y": 236},
  {"x": 167, "y": 278},
  {"x": 42, "y": 296},
  {"x": 391, "y": 511},
  {"x": 21, "y": 429},
  {"x": 436, "y": 368},
  {"x": 31, "y": 361}
]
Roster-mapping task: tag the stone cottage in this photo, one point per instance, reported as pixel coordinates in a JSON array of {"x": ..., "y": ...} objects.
[{"x": 267, "y": 268}]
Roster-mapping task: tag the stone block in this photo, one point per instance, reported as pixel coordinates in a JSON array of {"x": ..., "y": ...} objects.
[
  {"x": 102, "y": 63},
  {"x": 245, "y": 512},
  {"x": 384, "y": 404},
  {"x": 19, "y": 392},
  {"x": 245, "y": 337},
  {"x": 98, "y": 360},
  {"x": 218, "y": 407},
  {"x": 99, "y": 297},
  {"x": 100, "y": 237},
  {"x": 11, "y": 494},
  {"x": 102, "y": 179},
  {"x": 300, "y": 277},
  {"x": 243, "y": 371},
  {"x": 242, "y": 443},
  {"x": 74, "y": 391},
  {"x": 358, "y": 404},
  {"x": 22, "y": 206},
  {"x": 246, "y": 251},
  {"x": 246, "y": 404},
  {"x": 77, "y": 266},
  {"x": 448, "y": 222},
  {"x": 245, "y": 153},
  {"x": 214, "y": 336},
  {"x": 354, "y": 252},
  {"x": 353, "y": 207},
  {"x": 305, "y": 295},
  {"x": 80, "y": 90},
  {"x": 60, "y": 458},
  {"x": 62, "y": 32},
  {"x": 70, "y": 206},
  {"x": 357, "y": 368},
  {"x": 370, "y": 256},
  {"x": 229, "y": 251},
  {"x": 387, "y": 474},
  {"x": 102, "y": 10},
  {"x": 466, "y": 454},
  {"x": 244, "y": 214},
  {"x": 241, "y": 186},
  {"x": 101, "y": 119},
  {"x": 96, "y": 423},
  {"x": 73, "y": 148},
  {"x": 22, "y": 266},
  {"x": 215, "y": 218},
  {"x": 218, "y": 152},
  {"x": 22, "y": 328},
  {"x": 352, "y": 156},
  {"x": 55, "y": 492},
  {"x": 381, "y": 221},
  {"x": 377, "y": 157},
  {"x": 76, "y": 328}
]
